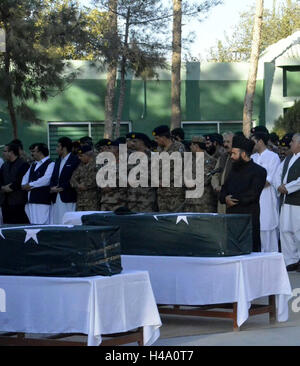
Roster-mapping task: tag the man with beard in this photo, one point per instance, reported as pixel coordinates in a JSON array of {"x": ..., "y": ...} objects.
[
  {"x": 224, "y": 163},
  {"x": 242, "y": 189},
  {"x": 214, "y": 145}
]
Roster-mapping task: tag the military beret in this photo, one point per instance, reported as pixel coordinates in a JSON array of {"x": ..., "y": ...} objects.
[
  {"x": 198, "y": 139},
  {"x": 139, "y": 136},
  {"x": 131, "y": 135},
  {"x": 103, "y": 142},
  {"x": 241, "y": 142},
  {"x": 217, "y": 138},
  {"x": 286, "y": 140},
  {"x": 274, "y": 137},
  {"x": 178, "y": 132},
  {"x": 161, "y": 131},
  {"x": 261, "y": 129},
  {"x": 86, "y": 139},
  {"x": 118, "y": 141},
  {"x": 84, "y": 149}
]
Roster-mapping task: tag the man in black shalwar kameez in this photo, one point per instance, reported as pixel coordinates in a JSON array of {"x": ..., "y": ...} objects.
[{"x": 241, "y": 191}]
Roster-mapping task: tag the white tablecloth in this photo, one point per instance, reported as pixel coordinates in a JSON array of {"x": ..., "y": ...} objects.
[
  {"x": 90, "y": 305},
  {"x": 74, "y": 218},
  {"x": 203, "y": 281}
]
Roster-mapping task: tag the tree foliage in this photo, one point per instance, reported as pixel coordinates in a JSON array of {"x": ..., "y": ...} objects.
[
  {"x": 278, "y": 23},
  {"x": 290, "y": 122},
  {"x": 30, "y": 68}
]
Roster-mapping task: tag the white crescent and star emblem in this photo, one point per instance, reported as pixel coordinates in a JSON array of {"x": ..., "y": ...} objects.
[
  {"x": 182, "y": 218},
  {"x": 178, "y": 220},
  {"x": 32, "y": 234}
]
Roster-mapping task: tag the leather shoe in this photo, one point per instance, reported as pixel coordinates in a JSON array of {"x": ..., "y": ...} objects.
[
  {"x": 298, "y": 268},
  {"x": 293, "y": 267}
]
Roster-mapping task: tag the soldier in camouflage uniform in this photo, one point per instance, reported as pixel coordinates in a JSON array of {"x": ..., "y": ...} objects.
[
  {"x": 169, "y": 199},
  {"x": 83, "y": 180},
  {"x": 214, "y": 145},
  {"x": 103, "y": 145},
  {"x": 284, "y": 146},
  {"x": 208, "y": 202},
  {"x": 113, "y": 198},
  {"x": 141, "y": 199}
]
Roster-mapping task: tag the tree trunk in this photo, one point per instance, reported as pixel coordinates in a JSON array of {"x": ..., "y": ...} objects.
[
  {"x": 176, "y": 65},
  {"x": 251, "y": 84},
  {"x": 111, "y": 76},
  {"x": 109, "y": 100},
  {"x": 122, "y": 80},
  {"x": 8, "y": 91}
]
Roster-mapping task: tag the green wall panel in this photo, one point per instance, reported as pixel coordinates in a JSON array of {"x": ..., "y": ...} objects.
[{"x": 147, "y": 105}]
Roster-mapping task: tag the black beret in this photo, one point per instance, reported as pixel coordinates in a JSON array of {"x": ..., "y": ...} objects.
[
  {"x": 139, "y": 136},
  {"x": 274, "y": 137},
  {"x": 241, "y": 142},
  {"x": 84, "y": 148},
  {"x": 86, "y": 139},
  {"x": 262, "y": 129},
  {"x": 178, "y": 132},
  {"x": 131, "y": 135},
  {"x": 286, "y": 140},
  {"x": 217, "y": 137},
  {"x": 103, "y": 142},
  {"x": 161, "y": 131},
  {"x": 118, "y": 141}
]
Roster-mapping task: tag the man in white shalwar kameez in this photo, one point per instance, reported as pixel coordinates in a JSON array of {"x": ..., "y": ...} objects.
[
  {"x": 269, "y": 210},
  {"x": 37, "y": 182},
  {"x": 63, "y": 196},
  {"x": 288, "y": 183}
]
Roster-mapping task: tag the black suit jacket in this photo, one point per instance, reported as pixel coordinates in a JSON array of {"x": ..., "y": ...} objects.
[{"x": 68, "y": 194}]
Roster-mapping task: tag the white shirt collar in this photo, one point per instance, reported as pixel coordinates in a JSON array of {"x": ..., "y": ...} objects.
[
  {"x": 66, "y": 157},
  {"x": 263, "y": 152}
]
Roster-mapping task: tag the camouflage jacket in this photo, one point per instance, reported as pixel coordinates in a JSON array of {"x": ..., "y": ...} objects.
[
  {"x": 85, "y": 174},
  {"x": 208, "y": 202}
]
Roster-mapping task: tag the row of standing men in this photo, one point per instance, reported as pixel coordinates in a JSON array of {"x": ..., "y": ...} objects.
[{"x": 50, "y": 189}]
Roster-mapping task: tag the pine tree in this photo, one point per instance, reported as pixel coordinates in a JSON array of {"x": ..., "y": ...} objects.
[{"x": 28, "y": 70}]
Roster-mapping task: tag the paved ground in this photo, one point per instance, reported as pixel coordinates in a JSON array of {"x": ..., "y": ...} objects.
[{"x": 256, "y": 331}]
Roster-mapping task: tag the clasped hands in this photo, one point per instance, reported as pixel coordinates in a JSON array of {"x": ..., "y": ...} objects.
[
  {"x": 56, "y": 189},
  {"x": 27, "y": 187},
  {"x": 281, "y": 189}
]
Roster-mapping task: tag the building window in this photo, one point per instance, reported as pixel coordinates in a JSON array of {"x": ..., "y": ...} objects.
[{"x": 291, "y": 81}]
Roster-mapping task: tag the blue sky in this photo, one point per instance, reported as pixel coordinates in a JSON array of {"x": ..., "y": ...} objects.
[{"x": 219, "y": 20}]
